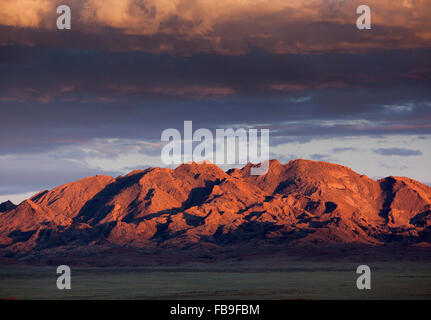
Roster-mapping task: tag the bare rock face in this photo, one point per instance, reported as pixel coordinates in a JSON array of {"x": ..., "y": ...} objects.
[
  {"x": 200, "y": 205},
  {"x": 67, "y": 200}
]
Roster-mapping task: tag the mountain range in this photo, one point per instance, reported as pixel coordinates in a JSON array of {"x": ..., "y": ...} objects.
[{"x": 301, "y": 203}]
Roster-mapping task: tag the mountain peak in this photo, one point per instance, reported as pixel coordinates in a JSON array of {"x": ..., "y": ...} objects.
[
  {"x": 204, "y": 167},
  {"x": 315, "y": 164}
]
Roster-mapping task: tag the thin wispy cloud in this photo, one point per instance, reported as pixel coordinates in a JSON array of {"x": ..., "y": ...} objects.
[{"x": 398, "y": 152}]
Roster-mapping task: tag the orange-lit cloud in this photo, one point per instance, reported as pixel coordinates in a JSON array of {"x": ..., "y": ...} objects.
[
  {"x": 226, "y": 26},
  {"x": 292, "y": 87},
  {"x": 24, "y": 13},
  {"x": 193, "y": 91}
]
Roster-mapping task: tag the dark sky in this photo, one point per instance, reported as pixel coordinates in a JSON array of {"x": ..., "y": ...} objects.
[{"x": 96, "y": 98}]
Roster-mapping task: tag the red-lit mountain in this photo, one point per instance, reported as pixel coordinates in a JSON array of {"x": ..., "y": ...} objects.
[{"x": 201, "y": 206}]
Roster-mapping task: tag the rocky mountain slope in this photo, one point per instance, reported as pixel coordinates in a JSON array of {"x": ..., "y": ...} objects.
[{"x": 199, "y": 205}]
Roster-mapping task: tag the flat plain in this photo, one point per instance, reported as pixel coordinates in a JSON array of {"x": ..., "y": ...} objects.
[{"x": 261, "y": 279}]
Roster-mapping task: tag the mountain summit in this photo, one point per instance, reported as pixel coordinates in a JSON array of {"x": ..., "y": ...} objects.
[{"x": 199, "y": 205}]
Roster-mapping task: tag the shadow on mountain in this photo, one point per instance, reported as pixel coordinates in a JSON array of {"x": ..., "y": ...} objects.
[
  {"x": 97, "y": 208},
  {"x": 246, "y": 232},
  {"x": 49, "y": 238},
  {"x": 387, "y": 186}
]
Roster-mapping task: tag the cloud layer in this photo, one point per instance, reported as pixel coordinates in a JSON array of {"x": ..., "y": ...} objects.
[
  {"x": 94, "y": 100},
  {"x": 223, "y": 27}
]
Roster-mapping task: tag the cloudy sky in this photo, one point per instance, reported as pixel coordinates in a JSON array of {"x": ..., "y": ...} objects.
[{"x": 95, "y": 99}]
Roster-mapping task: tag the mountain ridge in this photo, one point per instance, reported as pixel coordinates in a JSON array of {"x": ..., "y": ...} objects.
[{"x": 303, "y": 202}]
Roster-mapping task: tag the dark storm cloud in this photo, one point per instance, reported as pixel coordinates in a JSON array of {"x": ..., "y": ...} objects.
[
  {"x": 398, "y": 152},
  {"x": 55, "y": 97},
  {"x": 44, "y": 74}
]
